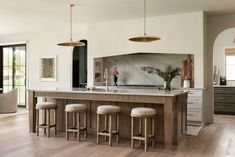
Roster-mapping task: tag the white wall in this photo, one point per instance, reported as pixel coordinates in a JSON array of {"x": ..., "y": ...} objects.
[
  {"x": 181, "y": 34},
  {"x": 45, "y": 44}
]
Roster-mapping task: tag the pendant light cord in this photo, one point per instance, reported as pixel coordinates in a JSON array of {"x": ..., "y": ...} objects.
[
  {"x": 145, "y": 18},
  {"x": 71, "y": 22},
  {"x": 71, "y": 42},
  {"x": 144, "y": 38}
]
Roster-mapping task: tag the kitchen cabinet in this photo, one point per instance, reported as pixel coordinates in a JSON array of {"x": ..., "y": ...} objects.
[
  {"x": 195, "y": 106},
  {"x": 224, "y": 100}
]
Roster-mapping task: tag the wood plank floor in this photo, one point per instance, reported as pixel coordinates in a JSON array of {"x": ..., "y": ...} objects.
[{"x": 216, "y": 140}]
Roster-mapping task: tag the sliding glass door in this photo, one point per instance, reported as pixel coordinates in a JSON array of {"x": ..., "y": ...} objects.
[{"x": 14, "y": 70}]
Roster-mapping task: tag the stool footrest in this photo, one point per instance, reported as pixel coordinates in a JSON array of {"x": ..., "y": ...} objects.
[
  {"x": 139, "y": 137},
  {"x": 45, "y": 126},
  {"x": 75, "y": 129},
  {"x": 106, "y": 133}
]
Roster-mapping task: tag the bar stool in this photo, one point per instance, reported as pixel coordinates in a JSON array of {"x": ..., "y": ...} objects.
[
  {"x": 46, "y": 107},
  {"x": 76, "y": 110},
  {"x": 146, "y": 114},
  {"x": 108, "y": 111}
]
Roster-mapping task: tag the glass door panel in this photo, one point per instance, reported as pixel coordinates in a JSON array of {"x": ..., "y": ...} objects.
[
  {"x": 14, "y": 71},
  {"x": 7, "y": 69},
  {"x": 19, "y": 55}
]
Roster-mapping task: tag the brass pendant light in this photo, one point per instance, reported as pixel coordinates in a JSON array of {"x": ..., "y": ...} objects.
[
  {"x": 144, "y": 38},
  {"x": 71, "y": 42}
]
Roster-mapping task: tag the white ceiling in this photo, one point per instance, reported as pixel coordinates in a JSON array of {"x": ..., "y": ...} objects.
[{"x": 18, "y": 16}]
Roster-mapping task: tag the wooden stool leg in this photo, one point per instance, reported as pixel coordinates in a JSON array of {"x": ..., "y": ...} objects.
[
  {"x": 110, "y": 130},
  {"x": 37, "y": 121},
  {"x": 85, "y": 125},
  {"x": 146, "y": 133},
  {"x": 153, "y": 132},
  {"x": 66, "y": 125},
  {"x": 98, "y": 127},
  {"x": 132, "y": 132},
  {"x": 117, "y": 124},
  {"x": 74, "y": 123},
  {"x": 48, "y": 122},
  {"x": 105, "y": 125},
  {"x": 140, "y": 130},
  {"x": 55, "y": 129},
  {"x": 78, "y": 126},
  {"x": 45, "y": 121}
]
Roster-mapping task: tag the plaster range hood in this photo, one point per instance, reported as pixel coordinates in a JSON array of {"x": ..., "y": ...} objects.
[
  {"x": 129, "y": 54},
  {"x": 138, "y": 53}
]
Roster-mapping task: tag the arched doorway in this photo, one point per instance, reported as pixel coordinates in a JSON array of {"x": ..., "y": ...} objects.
[
  {"x": 224, "y": 72},
  {"x": 80, "y": 66}
]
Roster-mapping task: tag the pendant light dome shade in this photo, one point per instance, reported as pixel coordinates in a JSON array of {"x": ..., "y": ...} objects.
[
  {"x": 145, "y": 37},
  {"x": 71, "y": 42}
]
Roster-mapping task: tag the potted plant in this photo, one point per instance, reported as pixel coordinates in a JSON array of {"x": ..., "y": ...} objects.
[{"x": 168, "y": 74}]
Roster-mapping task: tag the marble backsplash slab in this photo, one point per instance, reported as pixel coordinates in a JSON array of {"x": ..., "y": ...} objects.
[{"x": 129, "y": 67}]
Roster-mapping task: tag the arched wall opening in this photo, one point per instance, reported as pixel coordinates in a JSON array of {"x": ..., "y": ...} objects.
[{"x": 224, "y": 40}]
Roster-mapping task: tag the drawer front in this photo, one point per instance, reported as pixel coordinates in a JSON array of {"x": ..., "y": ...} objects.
[
  {"x": 195, "y": 103},
  {"x": 194, "y": 93},
  {"x": 224, "y": 98},
  {"x": 224, "y": 107},
  {"x": 224, "y": 90},
  {"x": 194, "y": 115}
]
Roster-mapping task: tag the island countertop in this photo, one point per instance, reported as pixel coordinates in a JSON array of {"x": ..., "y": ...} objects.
[{"x": 114, "y": 91}]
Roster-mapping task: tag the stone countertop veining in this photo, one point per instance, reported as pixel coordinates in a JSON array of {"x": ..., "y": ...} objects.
[{"x": 144, "y": 92}]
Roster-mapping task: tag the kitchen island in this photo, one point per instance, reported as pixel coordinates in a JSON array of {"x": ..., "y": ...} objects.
[{"x": 171, "y": 119}]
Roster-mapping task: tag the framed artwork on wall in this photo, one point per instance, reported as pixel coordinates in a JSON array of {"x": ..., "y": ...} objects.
[{"x": 48, "y": 68}]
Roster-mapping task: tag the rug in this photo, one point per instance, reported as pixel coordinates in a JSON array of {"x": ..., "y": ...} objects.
[
  {"x": 19, "y": 112},
  {"x": 193, "y": 130}
]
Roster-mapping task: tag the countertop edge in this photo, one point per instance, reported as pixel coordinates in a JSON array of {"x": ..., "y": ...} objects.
[
  {"x": 224, "y": 86},
  {"x": 179, "y": 92}
]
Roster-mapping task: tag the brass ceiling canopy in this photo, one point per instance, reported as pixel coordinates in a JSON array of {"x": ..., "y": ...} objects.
[
  {"x": 145, "y": 37},
  {"x": 71, "y": 42}
]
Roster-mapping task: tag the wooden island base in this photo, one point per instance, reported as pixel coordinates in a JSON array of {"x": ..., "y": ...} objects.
[{"x": 170, "y": 122}]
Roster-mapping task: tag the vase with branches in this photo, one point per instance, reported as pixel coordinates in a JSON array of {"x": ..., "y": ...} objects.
[{"x": 168, "y": 74}]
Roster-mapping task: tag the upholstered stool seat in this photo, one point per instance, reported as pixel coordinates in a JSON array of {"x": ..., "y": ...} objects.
[
  {"x": 46, "y": 107},
  {"x": 76, "y": 129},
  {"x": 108, "y": 111},
  {"x": 75, "y": 107},
  {"x": 146, "y": 114},
  {"x": 105, "y": 109},
  {"x": 142, "y": 112}
]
